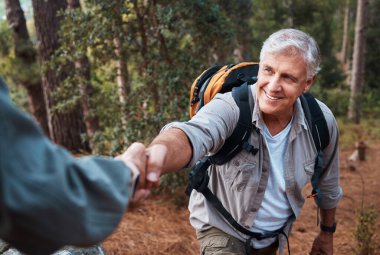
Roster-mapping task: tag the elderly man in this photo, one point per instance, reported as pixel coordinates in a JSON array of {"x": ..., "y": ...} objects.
[{"x": 263, "y": 192}]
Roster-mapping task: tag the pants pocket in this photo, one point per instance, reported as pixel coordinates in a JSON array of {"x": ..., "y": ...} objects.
[{"x": 216, "y": 242}]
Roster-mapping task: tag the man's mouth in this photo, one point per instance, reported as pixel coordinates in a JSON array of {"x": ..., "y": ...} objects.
[{"x": 271, "y": 97}]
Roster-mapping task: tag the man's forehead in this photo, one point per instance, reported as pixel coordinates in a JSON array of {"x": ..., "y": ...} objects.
[
  {"x": 285, "y": 63},
  {"x": 278, "y": 58}
]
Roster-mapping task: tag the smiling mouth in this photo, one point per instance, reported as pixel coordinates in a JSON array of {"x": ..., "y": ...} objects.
[{"x": 271, "y": 97}]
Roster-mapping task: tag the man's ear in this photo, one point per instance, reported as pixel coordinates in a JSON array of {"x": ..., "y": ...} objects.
[{"x": 309, "y": 82}]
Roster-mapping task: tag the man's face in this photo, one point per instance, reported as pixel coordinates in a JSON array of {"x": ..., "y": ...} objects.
[{"x": 281, "y": 80}]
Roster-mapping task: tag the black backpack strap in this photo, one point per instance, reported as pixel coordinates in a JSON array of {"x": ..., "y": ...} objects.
[
  {"x": 199, "y": 179},
  {"x": 239, "y": 137},
  {"x": 233, "y": 145},
  {"x": 219, "y": 206},
  {"x": 320, "y": 132},
  {"x": 316, "y": 121}
]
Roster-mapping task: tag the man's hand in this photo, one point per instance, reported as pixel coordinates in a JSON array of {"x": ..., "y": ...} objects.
[
  {"x": 169, "y": 152},
  {"x": 323, "y": 244},
  {"x": 156, "y": 162},
  {"x": 135, "y": 157}
]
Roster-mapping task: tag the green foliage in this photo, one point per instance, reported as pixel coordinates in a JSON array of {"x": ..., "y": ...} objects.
[
  {"x": 165, "y": 48},
  {"x": 12, "y": 70},
  {"x": 371, "y": 103},
  {"x": 175, "y": 184},
  {"x": 336, "y": 98},
  {"x": 368, "y": 131},
  {"x": 365, "y": 231},
  {"x": 5, "y": 39}
]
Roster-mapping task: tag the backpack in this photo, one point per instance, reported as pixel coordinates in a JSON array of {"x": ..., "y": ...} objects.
[
  {"x": 220, "y": 79},
  {"x": 236, "y": 78}
]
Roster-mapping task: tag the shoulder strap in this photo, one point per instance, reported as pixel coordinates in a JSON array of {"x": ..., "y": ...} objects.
[
  {"x": 198, "y": 177},
  {"x": 318, "y": 125},
  {"x": 239, "y": 137},
  {"x": 316, "y": 121}
]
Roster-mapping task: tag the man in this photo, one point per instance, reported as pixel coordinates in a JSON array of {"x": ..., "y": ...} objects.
[
  {"x": 263, "y": 192},
  {"x": 49, "y": 199}
]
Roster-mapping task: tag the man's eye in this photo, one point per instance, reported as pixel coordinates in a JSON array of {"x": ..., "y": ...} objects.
[
  {"x": 289, "y": 78},
  {"x": 267, "y": 70}
]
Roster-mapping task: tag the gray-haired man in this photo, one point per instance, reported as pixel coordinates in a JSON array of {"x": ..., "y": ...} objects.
[{"x": 263, "y": 192}]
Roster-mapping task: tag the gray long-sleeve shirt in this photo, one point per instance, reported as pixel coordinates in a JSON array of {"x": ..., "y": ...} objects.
[
  {"x": 240, "y": 183},
  {"x": 48, "y": 198}
]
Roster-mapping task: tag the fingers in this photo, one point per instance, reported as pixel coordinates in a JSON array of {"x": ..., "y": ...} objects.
[
  {"x": 150, "y": 163},
  {"x": 140, "y": 194},
  {"x": 136, "y": 154},
  {"x": 155, "y": 164}
]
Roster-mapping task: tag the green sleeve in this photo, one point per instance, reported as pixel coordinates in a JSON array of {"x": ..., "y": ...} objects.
[{"x": 48, "y": 198}]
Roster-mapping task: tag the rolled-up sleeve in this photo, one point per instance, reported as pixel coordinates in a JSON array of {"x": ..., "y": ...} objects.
[
  {"x": 210, "y": 127},
  {"x": 329, "y": 184}
]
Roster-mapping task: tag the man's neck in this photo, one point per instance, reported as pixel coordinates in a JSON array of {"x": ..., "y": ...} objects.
[{"x": 276, "y": 124}]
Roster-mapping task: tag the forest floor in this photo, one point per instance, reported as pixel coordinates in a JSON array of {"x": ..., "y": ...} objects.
[{"x": 157, "y": 226}]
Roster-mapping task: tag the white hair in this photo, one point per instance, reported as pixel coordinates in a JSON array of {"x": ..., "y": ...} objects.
[{"x": 294, "y": 42}]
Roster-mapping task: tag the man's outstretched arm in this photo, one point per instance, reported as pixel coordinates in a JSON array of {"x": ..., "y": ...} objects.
[{"x": 170, "y": 151}]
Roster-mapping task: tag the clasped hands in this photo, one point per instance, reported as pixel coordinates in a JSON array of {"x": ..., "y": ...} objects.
[{"x": 149, "y": 165}]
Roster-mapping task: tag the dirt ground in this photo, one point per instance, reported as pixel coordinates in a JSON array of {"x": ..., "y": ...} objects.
[{"x": 158, "y": 226}]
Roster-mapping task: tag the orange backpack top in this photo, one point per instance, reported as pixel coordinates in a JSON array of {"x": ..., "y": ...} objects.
[{"x": 220, "y": 79}]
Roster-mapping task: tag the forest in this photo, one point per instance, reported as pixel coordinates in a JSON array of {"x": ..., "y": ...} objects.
[
  {"x": 98, "y": 75},
  {"x": 114, "y": 72}
]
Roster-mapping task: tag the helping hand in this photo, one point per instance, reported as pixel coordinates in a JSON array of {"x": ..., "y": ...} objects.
[
  {"x": 136, "y": 155},
  {"x": 156, "y": 161}
]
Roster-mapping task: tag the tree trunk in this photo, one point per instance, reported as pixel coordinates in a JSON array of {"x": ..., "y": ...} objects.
[
  {"x": 122, "y": 75},
  {"x": 83, "y": 71},
  {"x": 65, "y": 128},
  {"x": 343, "y": 51},
  {"x": 26, "y": 54},
  {"x": 164, "y": 52},
  {"x": 290, "y": 19},
  {"x": 357, "y": 80},
  {"x": 244, "y": 40},
  {"x": 156, "y": 26},
  {"x": 143, "y": 48}
]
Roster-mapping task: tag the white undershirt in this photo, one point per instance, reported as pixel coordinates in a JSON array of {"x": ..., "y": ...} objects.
[{"x": 275, "y": 208}]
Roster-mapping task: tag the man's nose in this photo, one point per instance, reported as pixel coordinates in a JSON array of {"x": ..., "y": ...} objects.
[{"x": 274, "y": 83}]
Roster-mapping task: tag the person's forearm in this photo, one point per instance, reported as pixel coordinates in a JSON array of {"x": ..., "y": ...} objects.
[
  {"x": 328, "y": 217},
  {"x": 324, "y": 242},
  {"x": 179, "y": 149}
]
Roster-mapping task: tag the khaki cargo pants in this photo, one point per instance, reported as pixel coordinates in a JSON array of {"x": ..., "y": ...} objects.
[{"x": 215, "y": 242}]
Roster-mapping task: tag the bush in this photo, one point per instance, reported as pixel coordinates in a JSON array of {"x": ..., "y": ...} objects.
[
  {"x": 175, "y": 184},
  {"x": 368, "y": 130},
  {"x": 365, "y": 230},
  {"x": 336, "y": 99}
]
